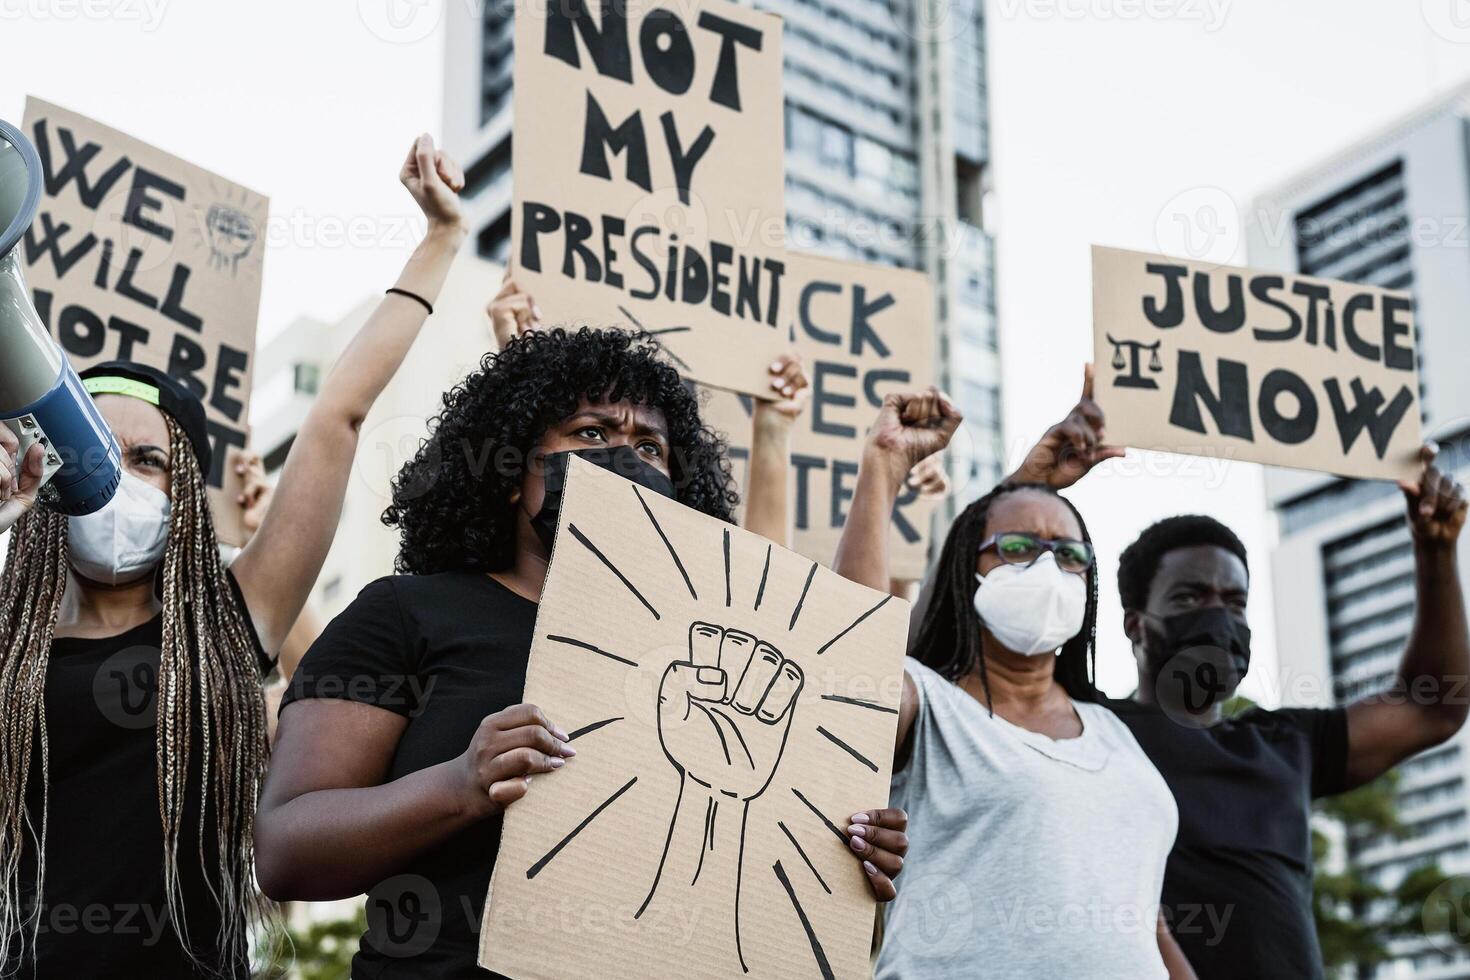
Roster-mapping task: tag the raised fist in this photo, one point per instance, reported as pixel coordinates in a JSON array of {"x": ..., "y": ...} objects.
[{"x": 723, "y": 715}]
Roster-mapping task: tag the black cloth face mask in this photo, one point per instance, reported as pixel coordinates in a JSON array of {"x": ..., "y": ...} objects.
[
  {"x": 622, "y": 460},
  {"x": 1198, "y": 659}
]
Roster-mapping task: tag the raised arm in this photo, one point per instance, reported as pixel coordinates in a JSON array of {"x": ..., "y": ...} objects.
[
  {"x": 1427, "y": 701},
  {"x": 767, "y": 504},
  {"x": 1070, "y": 449},
  {"x": 910, "y": 427},
  {"x": 277, "y": 568}
]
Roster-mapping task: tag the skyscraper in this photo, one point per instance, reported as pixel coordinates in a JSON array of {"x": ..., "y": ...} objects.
[
  {"x": 887, "y": 160},
  {"x": 1390, "y": 210}
]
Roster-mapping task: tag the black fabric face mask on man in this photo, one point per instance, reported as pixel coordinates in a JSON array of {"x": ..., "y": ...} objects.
[
  {"x": 1204, "y": 653},
  {"x": 622, "y": 460}
]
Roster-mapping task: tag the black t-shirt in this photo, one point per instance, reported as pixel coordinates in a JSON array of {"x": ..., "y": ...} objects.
[
  {"x": 1238, "y": 887},
  {"x": 444, "y": 651},
  {"x": 104, "y": 913}
]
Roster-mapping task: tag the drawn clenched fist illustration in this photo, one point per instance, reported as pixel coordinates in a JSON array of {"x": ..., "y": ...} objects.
[{"x": 723, "y": 715}]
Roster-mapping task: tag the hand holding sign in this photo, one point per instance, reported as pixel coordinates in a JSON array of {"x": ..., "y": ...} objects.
[
  {"x": 1436, "y": 503},
  {"x": 512, "y": 312},
  {"x": 1071, "y": 448}
]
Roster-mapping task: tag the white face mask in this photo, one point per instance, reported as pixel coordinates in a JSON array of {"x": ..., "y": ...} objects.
[
  {"x": 1031, "y": 609},
  {"x": 125, "y": 540}
]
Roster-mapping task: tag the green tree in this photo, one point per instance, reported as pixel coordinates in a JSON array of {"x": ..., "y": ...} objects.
[
  {"x": 1356, "y": 918},
  {"x": 319, "y": 951}
]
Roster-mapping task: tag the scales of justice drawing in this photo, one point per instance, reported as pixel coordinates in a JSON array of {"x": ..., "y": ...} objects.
[{"x": 732, "y": 704}]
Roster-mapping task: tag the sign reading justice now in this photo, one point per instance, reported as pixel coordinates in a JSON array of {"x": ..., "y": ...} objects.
[
  {"x": 649, "y": 177},
  {"x": 1255, "y": 365}
]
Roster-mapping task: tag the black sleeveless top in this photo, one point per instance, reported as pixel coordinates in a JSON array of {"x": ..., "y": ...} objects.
[{"x": 104, "y": 912}]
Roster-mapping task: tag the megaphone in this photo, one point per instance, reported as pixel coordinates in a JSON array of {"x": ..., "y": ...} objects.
[{"x": 41, "y": 398}]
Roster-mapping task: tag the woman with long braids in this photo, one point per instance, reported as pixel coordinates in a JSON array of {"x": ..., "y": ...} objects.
[
  {"x": 1039, "y": 829},
  {"x": 132, "y": 724}
]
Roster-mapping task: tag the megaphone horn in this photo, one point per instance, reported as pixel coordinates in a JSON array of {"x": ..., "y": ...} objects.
[{"x": 41, "y": 398}]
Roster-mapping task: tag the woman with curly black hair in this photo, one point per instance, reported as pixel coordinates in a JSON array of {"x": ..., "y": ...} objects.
[{"x": 402, "y": 739}]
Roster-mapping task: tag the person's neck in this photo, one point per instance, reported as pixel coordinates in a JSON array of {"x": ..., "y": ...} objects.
[
  {"x": 526, "y": 576},
  {"x": 1023, "y": 686},
  {"x": 1146, "y": 695},
  {"x": 91, "y": 609}
]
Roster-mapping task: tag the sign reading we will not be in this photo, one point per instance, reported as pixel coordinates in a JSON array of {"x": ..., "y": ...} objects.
[
  {"x": 863, "y": 331},
  {"x": 138, "y": 255},
  {"x": 1254, "y": 365},
  {"x": 648, "y": 177}
]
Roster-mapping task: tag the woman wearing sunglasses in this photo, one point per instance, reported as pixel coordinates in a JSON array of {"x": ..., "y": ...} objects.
[{"x": 1038, "y": 830}]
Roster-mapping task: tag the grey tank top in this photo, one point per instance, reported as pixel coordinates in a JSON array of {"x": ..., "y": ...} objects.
[{"x": 1029, "y": 858}]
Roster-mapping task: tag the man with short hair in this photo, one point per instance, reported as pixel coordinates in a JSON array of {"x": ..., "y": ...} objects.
[{"x": 1238, "y": 887}]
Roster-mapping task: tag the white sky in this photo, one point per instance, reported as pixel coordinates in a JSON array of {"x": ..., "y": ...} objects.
[{"x": 1111, "y": 121}]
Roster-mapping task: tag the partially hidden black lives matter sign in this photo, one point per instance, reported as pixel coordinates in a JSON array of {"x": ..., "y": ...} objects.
[
  {"x": 649, "y": 175},
  {"x": 138, "y": 255},
  {"x": 863, "y": 331},
  {"x": 1254, "y": 365}
]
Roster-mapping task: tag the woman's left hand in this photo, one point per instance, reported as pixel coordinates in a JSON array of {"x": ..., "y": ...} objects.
[
  {"x": 434, "y": 180},
  {"x": 878, "y": 838}
]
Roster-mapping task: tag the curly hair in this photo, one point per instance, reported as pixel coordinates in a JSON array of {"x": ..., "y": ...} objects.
[{"x": 452, "y": 501}]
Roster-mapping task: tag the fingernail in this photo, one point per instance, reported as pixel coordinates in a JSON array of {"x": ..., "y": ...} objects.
[
  {"x": 857, "y": 843},
  {"x": 775, "y": 365},
  {"x": 709, "y": 675},
  {"x": 868, "y": 867},
  {"x": 568, "y": 751},
  {"x": 559, "y": 734},
  {"x": 536, "y": 312},
  {"x": 528, "y": 780},
  {"x": 857, "y": 830},
  {"x": 557, "y": 763},
  {"x": 860, "y": 818}
]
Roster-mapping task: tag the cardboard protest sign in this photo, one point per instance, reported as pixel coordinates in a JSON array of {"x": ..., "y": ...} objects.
[
  {"x": 649, "y": 177},
  {"x": 138, "y": 255},
  {"x": 863, "y": 331},
  {"x": 732, "y": 704},
  {"x": 1252, "y": 365}
]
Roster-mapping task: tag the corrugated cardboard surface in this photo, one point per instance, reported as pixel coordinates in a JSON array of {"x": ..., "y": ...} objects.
[
  {"x": 1138, "y": 410},
  {"x": 161, "y": 234},
  {"x": 736, "y": 195},
  {"x": 573, "y": 890},
  {"x": 863, "y": 331}
]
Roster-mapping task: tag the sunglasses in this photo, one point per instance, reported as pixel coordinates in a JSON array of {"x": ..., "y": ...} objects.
[{"x": 1021, "y": 548}]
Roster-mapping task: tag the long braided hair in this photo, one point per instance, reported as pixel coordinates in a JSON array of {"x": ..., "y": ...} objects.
[
  {"x": 949, "y": 638},
  {"x": 208, "y": 687}
]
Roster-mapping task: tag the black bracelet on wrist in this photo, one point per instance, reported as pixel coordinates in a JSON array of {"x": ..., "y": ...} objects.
[{"x": 413, "y": 296}]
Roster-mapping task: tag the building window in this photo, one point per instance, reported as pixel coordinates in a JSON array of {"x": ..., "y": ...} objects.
[{"x": 308, "y": 378}]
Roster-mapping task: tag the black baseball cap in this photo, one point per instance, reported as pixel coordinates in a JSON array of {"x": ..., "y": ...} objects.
[{"x": 159, "y": 389}]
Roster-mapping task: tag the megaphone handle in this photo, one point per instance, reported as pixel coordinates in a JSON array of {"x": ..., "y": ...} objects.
[{"x": 29, "y": 433}]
